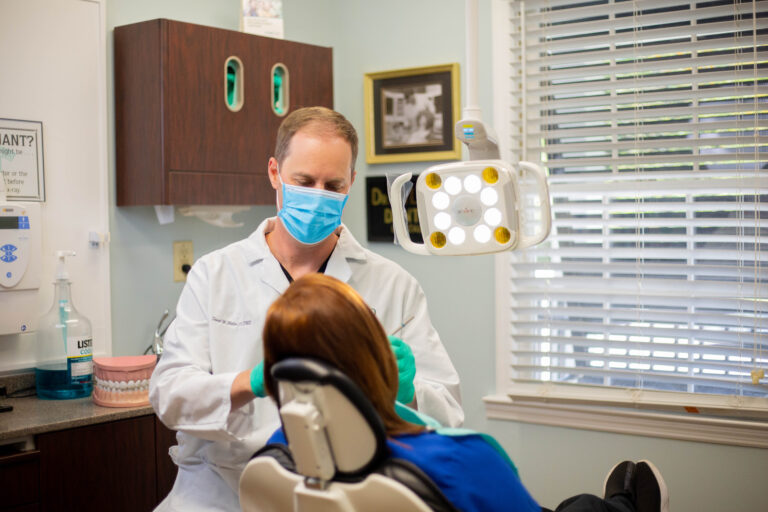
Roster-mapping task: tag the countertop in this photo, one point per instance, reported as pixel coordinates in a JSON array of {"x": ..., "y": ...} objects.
[{"x": 32, "y": 415}]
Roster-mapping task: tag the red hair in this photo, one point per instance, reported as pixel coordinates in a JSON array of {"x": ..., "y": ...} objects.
[{"x": 321, "y": 317}]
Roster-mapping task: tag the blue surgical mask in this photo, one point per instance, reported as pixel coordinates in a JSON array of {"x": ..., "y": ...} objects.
[{"x": 309, "y": 214}]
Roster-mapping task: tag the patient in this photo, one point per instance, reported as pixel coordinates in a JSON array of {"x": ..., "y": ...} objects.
[{"x": 323, "y": 318}]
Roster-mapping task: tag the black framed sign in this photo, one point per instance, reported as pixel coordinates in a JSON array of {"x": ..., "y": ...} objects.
[{"x": 380, "y": 211}]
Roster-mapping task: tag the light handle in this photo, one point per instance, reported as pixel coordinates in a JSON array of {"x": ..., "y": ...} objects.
[
  {"x": 398, "y": 219},
  {"x": 546, "y": 215}
]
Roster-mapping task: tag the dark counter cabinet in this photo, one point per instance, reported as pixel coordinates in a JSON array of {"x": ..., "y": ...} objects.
[
  {"x": 197, "y": 110},
  {"x": 117, "y": 466}
]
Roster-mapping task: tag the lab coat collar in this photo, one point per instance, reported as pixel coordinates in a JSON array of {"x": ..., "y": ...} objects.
[{"x": 257, "y": 253}]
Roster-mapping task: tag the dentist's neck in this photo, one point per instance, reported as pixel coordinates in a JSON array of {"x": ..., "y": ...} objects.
[{"x": 297, "y": 258}]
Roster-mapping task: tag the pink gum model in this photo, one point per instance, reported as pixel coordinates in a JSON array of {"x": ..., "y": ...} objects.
[{"x": 122, "y": 381}]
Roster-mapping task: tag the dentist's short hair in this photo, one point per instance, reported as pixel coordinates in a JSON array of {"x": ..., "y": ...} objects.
[{"x": 321, "y": 119}]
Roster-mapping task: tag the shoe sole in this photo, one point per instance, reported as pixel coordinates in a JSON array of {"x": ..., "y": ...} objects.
[{"x": 662, "y": 485}]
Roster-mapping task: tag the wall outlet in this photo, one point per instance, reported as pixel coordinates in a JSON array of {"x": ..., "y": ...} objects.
[{"x": 183, "y": 257}]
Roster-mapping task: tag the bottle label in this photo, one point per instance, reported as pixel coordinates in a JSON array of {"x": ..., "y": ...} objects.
[{"x": 80, "y": 358}]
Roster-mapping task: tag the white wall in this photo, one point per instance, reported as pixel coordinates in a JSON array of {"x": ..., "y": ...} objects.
[
  {"x": 53, "y": 71},
  {"x": 377, "y": 36}
]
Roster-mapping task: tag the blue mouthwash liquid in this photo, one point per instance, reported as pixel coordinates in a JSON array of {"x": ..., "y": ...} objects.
[{"x": 54, "y": 382}]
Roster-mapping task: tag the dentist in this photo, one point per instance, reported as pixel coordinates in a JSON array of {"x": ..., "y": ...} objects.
[{"x": 208, "y": 385}]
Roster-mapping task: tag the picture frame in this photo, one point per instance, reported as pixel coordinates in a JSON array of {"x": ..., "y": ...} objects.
[{"x": 410, "y": 114}]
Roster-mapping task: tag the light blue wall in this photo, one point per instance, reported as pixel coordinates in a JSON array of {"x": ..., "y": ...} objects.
[{"x": 371, "y": 36}]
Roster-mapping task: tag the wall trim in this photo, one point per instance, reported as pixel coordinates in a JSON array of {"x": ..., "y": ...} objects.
[{"x": 650, "y": 424}]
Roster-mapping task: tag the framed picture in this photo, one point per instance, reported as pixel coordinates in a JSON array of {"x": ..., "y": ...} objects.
[{"x": 410, "y": 114}]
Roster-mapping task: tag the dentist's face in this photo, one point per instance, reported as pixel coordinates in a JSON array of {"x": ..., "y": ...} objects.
[{"x": 315, "y": 160}]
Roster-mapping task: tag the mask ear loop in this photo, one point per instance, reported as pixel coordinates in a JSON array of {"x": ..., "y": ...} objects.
[{"x": 277, "y": 196}]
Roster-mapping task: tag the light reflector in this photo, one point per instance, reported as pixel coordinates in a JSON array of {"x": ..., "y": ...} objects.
[
  {"x": 441, "y": 200},
  {"x": 453, "y": 185},
  {"x": 492, "y": 216},
  {"x": 489, "y": 196},
  {"x": 456, "y": 235},
  {"x": 472, "y": 184},
  {"x": 482, "y": 233},
  {"x": 442, "y": 221}
]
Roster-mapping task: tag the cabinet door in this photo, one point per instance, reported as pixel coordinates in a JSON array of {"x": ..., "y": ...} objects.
[
  {"x": 110, "y": 466},
  {"x": 20, "y": 481},
  {"x": 166, "y": 468},
  {"x": 215, "y": 155}
]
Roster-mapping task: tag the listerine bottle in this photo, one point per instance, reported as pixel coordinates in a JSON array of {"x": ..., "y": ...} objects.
[{"x": 64, "y": 367}]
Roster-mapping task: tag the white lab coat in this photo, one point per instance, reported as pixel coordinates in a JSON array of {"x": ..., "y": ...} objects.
[{"x": 217, "y": 334}]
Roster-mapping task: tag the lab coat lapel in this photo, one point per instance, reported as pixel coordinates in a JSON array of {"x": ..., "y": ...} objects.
[
  {"x": 347, "y": 248},
  {"x": 262, "y": 259},
  {"x": 272, "y": 275}
]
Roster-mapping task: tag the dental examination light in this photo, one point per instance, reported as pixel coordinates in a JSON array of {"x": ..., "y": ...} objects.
[{"x": 480, "y": 206}]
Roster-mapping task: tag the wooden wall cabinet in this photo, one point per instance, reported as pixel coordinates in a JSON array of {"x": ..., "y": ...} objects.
[{"x": 177, "y": 142}]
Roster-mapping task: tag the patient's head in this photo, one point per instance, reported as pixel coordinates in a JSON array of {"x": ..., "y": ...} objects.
[{"x": 323, "y": 318}]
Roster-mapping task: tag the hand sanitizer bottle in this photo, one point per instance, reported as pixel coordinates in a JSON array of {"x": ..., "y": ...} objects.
[{"x": 64, "y": 367}]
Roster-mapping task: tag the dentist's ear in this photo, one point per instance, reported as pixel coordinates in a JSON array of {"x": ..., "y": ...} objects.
[{"x": 272, "y": 171}]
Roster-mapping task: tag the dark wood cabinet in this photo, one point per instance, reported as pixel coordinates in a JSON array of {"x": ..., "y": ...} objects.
[
  {"x": 177, "y": 140},
  {"x": 110, "y": 466},
  {"x": 117, "y": 466},
  {"x": 165, "y": 468},
  {"x": 20, "y": 481}
]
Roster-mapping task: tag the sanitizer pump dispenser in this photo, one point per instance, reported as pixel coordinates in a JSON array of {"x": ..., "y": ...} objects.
[{"x": 64, "y": 367}]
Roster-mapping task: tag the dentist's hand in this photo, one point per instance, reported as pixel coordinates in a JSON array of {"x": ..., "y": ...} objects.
[
  {"x": 257, "y": 380},
  {"x": 406, "y": 366}
]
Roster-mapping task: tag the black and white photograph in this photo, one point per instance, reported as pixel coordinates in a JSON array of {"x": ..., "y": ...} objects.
[{"x": 410, "y": 114}]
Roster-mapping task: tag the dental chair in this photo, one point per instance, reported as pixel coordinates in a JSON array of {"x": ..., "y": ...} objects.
[{"x": 337, "y": 458}]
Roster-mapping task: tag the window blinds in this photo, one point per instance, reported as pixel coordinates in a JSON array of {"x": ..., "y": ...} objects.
[{"x": 651, "y": 118}]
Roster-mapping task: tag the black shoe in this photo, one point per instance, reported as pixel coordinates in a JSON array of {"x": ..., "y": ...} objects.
[
  {"x": 620, "y": 480},
  {"x": 650, "y": 489}
]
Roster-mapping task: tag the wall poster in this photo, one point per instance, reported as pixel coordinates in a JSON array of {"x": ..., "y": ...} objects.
[{"x": 21, "y": 159}]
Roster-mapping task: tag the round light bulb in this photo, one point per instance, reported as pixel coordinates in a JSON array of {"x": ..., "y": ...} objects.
[
  {"x": 492, "y": 216},
  {"x": 472, "y": 184},
  {"x": 482, "y": 233},
  {"x": 456, "y": 236},
  {"x": 433, "y": 181},
  {"x": 489, "y": 196},
  {"x": 453, "y": 185},
  {"x": 440, "y": 200},
  {"x": 442, "y": 221},
  {"x": 490, "y": 175},
  {"x": 437, "y": 239}
]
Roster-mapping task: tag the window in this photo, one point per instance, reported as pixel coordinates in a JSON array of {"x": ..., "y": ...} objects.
[{"x": 651, "y": 291}]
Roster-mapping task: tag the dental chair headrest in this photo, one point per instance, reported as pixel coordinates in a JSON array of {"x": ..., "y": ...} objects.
[{"x": 332, "y": 428}]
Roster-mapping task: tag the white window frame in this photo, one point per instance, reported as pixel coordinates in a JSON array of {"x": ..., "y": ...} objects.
[{"x": 610, "y": 410}]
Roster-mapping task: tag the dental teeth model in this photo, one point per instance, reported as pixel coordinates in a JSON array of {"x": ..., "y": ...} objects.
[{"x": 122, "y": 381}]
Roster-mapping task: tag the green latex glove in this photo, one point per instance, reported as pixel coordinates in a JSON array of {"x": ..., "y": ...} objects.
[
  {"x": 257, "y": 380},
  {"x": 406, "y": 366}
]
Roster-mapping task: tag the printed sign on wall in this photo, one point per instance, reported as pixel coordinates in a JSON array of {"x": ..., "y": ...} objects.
[
  {"x": 21, "y": 159},
  {"x": 380, "y": 211}
]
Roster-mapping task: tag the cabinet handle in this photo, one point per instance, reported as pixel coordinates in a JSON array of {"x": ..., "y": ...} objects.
[
  {"x": 234, "y": 93},
  {"x": 280, "y": 89}
]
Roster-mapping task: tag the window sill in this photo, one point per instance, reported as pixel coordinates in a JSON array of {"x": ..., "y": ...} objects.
[{"x": 687, "y": 427}]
